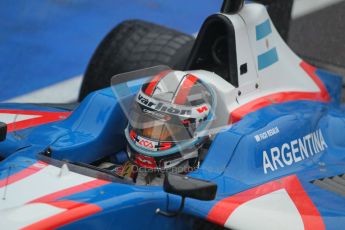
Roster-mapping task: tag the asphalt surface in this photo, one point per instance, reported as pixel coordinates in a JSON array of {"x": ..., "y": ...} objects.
[
  {"x": 46, "y": 45},
  {"x": 319, "y": 37},
  {"x": 46, "y": 42}
]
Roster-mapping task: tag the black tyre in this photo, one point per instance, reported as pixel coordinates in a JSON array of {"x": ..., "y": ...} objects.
[{"x": 133, "y": 45}]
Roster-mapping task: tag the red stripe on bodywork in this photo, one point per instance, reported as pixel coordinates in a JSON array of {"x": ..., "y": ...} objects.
[
  {"x": 311, "y": 71},
  {"x": 75, "y": 211},
  {"x": 70, "y": 191},
  {"x": 45, "y": 117},
  {"x": 261, "y": 102},
  {"x": 65, "y": 204},
  {"x": 23, "y": 174},
  {"x": 184, "y": 89},
  {"x": 310, "y": 215},
  {"x": 153, "y": 83}
]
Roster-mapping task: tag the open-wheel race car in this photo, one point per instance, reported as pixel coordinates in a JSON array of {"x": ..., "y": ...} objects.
[{"x": 265, "y": 127}]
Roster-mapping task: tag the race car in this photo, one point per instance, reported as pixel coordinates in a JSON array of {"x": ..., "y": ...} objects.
[{"x": 275, "y": 158}]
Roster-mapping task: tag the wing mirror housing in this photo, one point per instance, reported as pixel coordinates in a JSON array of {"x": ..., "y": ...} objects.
[{"x": 186, "y": 186}]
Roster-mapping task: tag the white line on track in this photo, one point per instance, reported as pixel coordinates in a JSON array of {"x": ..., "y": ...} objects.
[{"x": 62, "y": 92}]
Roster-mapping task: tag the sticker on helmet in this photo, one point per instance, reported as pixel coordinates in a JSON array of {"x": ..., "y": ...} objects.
[{"x": 161, "y": 106}]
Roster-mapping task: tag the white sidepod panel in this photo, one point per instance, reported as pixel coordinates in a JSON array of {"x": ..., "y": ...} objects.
[{"x": 275, "y": 74}]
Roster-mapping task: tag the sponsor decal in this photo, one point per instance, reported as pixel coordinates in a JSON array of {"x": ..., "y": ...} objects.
[
  {"x": 162, "y": 107},
  {"x": 150, "y": 144},
  {"x": 294, "y": 151},
  {"x": 146, "y": 144},
  {"x": 202, "y": 109},
  {"x": 265, "y": 135}
]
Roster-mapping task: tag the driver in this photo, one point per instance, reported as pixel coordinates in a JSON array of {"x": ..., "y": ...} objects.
[{"x": 165, "y": 117}]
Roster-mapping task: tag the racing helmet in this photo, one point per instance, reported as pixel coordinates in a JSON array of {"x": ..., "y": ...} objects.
[{"x": 166, "y": 114}]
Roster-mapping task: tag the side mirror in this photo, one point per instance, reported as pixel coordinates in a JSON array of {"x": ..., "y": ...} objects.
[
  {"x": 185, "y": 186},
  {"x": 3, "y": 131}
]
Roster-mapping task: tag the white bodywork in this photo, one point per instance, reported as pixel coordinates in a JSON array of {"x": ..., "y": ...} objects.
[
  {"x": 278, "y": 208},
  {"x": 21, "y": 207},
  {"x": 265, "y": 76}
]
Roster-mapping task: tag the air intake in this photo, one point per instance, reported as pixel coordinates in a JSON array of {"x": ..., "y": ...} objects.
[{"x": 335, "y": 184}]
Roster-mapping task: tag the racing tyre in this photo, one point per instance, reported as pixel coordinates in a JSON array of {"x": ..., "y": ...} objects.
[{"x": 133, "y": 45}]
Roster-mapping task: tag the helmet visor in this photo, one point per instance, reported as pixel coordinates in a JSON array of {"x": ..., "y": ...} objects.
[
  {"x": 159, "y": 126},
  {"x": 160, "y": 114}
]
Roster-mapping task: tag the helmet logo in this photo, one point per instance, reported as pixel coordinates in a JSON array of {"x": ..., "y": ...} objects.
[
  {"x": 145, "y": 101},
  {"x": 146, "y": 143},
  {"x": 202, "y": 109},
  {"x": 162, "y": 107}
]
